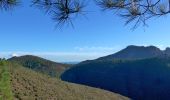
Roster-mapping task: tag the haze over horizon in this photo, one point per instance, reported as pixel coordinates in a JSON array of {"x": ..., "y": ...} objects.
[{"x": 80, "y": 54}]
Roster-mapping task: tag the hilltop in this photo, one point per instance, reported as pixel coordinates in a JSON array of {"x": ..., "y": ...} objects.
[
  {"x": 42, "y": 65},
  {"x": 137, "y": 52}
]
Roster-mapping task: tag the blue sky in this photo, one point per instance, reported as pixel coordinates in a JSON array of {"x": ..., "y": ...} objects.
[{"x": 27, "y": 30}]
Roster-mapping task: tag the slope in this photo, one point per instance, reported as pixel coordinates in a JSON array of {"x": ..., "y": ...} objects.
[
  {"x": 146, "y": 79},
  {"x": 41, "y": 65},
  {"x": 5, "y": 87},
  {"x": 30, "y": 85}
]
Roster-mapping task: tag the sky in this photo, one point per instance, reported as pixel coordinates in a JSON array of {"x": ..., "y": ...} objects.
[{"x": 28, "y": 30}]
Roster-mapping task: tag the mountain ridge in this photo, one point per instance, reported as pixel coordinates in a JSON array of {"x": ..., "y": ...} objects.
[
  {"x": 137, "y": 52},
  {"x": 42, "y": 65},
  {"x": 140, "y": 76}
]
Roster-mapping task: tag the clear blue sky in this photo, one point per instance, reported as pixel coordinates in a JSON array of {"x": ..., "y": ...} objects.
[{"x": 27, "y": 30}]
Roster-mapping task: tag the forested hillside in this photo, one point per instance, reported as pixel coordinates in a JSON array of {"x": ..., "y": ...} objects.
[
  {"x": 41, "y": 65},
  {"x": 146, "y": 79}
]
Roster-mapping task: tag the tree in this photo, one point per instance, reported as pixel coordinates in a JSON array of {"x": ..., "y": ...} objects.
[
  {"x": 137, "y": 11},
  {"x": 61, "y": 10},
  {"x": 8, "y": 4}
]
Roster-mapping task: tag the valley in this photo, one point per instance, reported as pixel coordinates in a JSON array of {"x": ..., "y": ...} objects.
[{"x": 136, "y": 72}]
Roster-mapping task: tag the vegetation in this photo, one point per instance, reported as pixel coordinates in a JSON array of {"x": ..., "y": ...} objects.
[
  {"x": 30, "y": 85},
  {"x": 138, "y": 11},
  {"x": 5, "y": 85},
  {"x": 146, "y": 79},
  {"x": 41, "y": 65},
  {"x": 8, "y": 4}
]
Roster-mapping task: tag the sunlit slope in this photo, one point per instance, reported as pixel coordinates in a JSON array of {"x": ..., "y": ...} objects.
[{"x": 30, "y": 85}]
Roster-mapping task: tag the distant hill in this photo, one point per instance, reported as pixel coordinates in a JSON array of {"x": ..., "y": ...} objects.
[
  {"x": 30, "y": 85},
  {"x": 147, "y": 79},
  {"x": 136, "y": 52},
  {"x": 41, "y": 65}
]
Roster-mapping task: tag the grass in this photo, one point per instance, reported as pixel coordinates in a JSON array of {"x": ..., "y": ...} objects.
[
  {"x": 5, "y": 85},
  {"x": 30, "y": 85}
]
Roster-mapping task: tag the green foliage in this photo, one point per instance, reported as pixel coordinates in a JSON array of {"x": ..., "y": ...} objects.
[
  {"x": 3, "y": 62},
  {"x": 41, "y": 65},
  {"x": 8, "y": 4},
  {"x": 137, "y": 79},
  {"x": 64, "y": 11},
  {"x": 137, "y": 11},
  {"x": 5, "y": 86}
]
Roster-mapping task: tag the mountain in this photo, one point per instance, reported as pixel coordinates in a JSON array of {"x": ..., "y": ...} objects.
[
  {"x": 27, "y": 84},
  {"x": 137, "y": 52},
  {"x": 41, "y": 65},
  {"x": 144, "y": 79},
  {"x": 167, "y": 51}
]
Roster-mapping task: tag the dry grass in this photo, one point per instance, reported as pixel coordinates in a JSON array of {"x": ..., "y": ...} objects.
[{"x": 30, "y": 85}]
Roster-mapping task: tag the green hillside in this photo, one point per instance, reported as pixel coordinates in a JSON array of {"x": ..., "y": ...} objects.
[
  {"x": 146, "y": 79},
  {"x": 29, "y": 85},
  {"x": 5, "y": 86},
  {"x": 41, "y": 65}
]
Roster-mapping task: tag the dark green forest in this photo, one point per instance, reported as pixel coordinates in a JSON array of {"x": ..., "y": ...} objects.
[{"x": 146, "y": 79}]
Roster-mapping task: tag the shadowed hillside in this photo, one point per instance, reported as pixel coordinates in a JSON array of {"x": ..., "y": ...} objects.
[
  {"x": 147, "y": 79},
  {"x": 41, "y": 65},
  {"x": 30, "y": 85}
]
